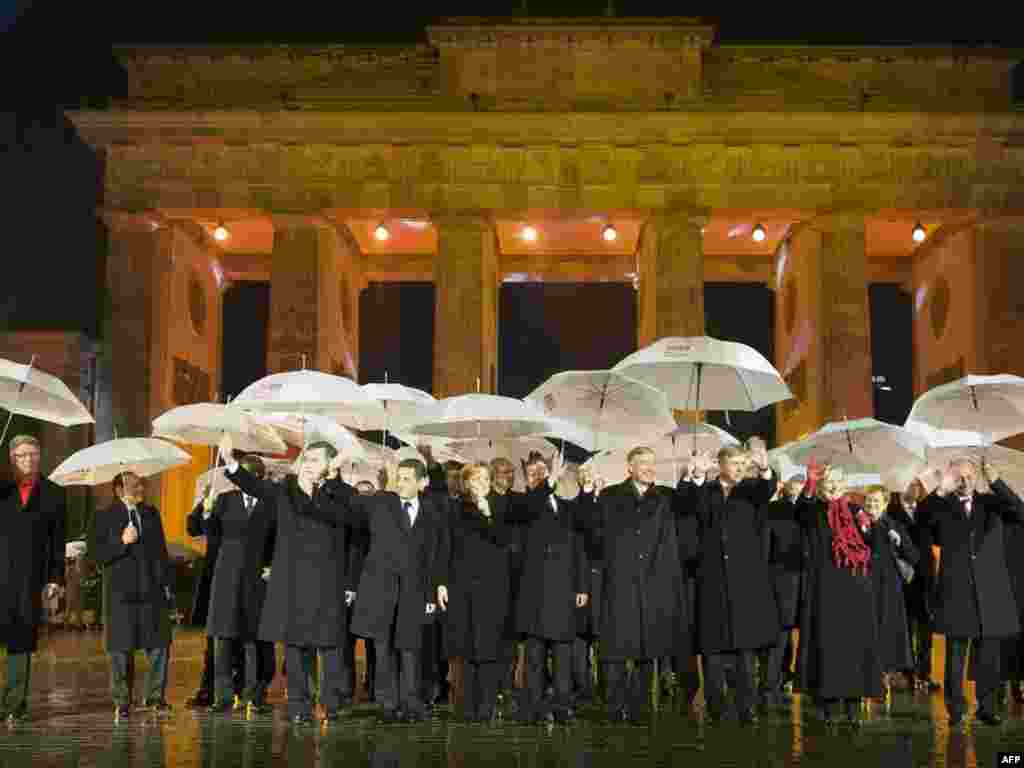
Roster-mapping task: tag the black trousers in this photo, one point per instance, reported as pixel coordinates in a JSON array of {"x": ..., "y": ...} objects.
[
  {"x": 207, "y": 682},
  {"x": 773, "y": 663},
  {"x": 536, "y": 677},
  {"x": 629, "y": 692},
  {"x": 687, "y": 669},
  {"x": 988, "y": 673},
  {"x": 717, "y": 667},
  {"x": 480, "y": 688},
  {"x": 582, "y": 673},
  {"x": 921, "y": 641},
  {"x": 122, "y": 675},
  {"x": 301, "y": 658},
  {"x": 398, "y": 678},
  {"x": 830, "y": 708},
  {"x": 433, "y": 663}
]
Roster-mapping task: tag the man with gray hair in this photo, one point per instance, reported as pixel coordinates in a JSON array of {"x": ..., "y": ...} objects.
[
  {"x": 974, "y": 599},
  {"x": 31, "y": 559}
]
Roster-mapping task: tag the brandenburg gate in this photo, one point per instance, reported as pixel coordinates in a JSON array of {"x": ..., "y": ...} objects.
[{"x": 606, "y": 149}]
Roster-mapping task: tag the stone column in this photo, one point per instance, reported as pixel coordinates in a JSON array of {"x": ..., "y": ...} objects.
[
  {"x": 466, "y": 305},
  {"x": 670, "y": 257},
  {"x": 315, "y": 276},
  {"x": 823, "y": 326},
  {"x": 671, "y": 262}
]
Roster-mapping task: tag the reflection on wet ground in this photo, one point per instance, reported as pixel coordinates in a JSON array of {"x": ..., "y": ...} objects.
[{"x": 71, "y": 724}]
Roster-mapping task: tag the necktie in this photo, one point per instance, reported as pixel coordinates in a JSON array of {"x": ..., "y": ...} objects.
[
  {"x": 554, "y": 504},
  {"x": 133, "y": 515},
  {"x": 407, "y": 508},
  {"x": 250, "y": 502},
  {"x": 966, "y": 502}
]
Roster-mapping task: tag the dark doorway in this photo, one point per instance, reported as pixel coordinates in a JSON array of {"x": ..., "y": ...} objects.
[
  {"x": 244, "y": 336},
  {"x": 396, "y": 334},
  {"x": 743, "y": 312},
  {"x": 892, "y": 351},
  {"x": 545, "y": 328}
]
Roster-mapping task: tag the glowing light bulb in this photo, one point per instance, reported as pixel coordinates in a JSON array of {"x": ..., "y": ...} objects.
[
  {"x": 221, "y": 233},
  {"x": 758, "y": 234},
  {"x": 381, "y": 233},
  {"x": 609, "y": 233},
  {"x": 529, "y": 233},
  {"x": 919, "y": 234}
]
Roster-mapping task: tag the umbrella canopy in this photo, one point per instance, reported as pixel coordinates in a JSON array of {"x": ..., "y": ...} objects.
[
  {"x": 786, "y": 470},
  {"x": 863, "y": 446},
  {"x": 440, "y": 447},
  {"x": 208, "y": 423},
  {"x": 472, "y": 416},
  {"x": 709, "y": 437},
  {"x": 312, "y": 392},
  {"x": 101, "y": 463},
  {"x": 605, "y": 403},
  {"x": 992, "y": 405},
  {"x": 27, "y": 391},
  {"x": 402, "y": 405},
  {"x": 703, "y": 373},
  {"x": 299, "y": 430}
]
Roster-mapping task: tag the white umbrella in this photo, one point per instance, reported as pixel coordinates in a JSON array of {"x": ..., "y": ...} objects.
[
  {"x": 208, "y": 423},
  {"x": 992, "y": 405},
  {"x": 401, "y": 405},
  {"x": 312, "y": 392},
  {"x": 300, "y": 431},
  {"x": 440, "y": 447},
  {"x": 27, "y": 391},
  {"x": 703, "y": 373},
  {"x": 101, "y": 463},
  {"x": 605, "y": 402},
  {"x": 467, "y": 417},
  {"x": 708, "y": 438},
  {"x": 863, "y": 446}
]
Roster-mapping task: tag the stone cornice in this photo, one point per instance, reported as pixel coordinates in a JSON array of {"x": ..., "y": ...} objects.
[
  {"x": 858, "y": 53},
  {"x": 593, "y": 32},
  {"x": 732, "y": 129}
]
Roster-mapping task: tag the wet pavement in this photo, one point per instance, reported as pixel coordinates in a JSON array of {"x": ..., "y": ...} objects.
[{"x": 71, "y": 724}]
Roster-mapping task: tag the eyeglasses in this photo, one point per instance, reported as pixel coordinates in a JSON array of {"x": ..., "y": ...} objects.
[{"x": 32, "y": 455}]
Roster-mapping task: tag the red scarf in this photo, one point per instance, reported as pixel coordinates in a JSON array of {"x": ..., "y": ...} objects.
[{"x": 848, "y": 548}]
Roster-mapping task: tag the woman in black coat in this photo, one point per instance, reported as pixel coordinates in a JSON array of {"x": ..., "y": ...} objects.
[
  {"x": 839, "y": 658},
  {"x": 889, "y": 541},
  {"x": 475, "y": 571}
]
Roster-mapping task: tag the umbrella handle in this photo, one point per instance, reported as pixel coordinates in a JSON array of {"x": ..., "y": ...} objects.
[{"x": 21, "y": 388}]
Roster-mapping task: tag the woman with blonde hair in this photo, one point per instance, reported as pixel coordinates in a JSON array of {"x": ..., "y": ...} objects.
[
  {"x": 839, "y": 659},
  {"x": 474, "y": 577}
]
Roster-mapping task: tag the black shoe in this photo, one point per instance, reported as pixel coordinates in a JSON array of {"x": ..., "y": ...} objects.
[
  {"x": 622, "y": 716},
  {"x": 201, "y": 700},
  {"x": 17, "y": 716},
  {"x": 302, "y": 720},
  {"x": 988, "y": 718},
  {"x": 414, "y": 716},
  {"x": 391, "y": 716},
  {"x": 122, "y": 713},
  {"x": 748, "y": 718},
  {"x": 221, "y": 707},
  {"x": 254, "y": 708},
  {"x": 565, "y": 716},
  {"x": 332, "y": 717}
]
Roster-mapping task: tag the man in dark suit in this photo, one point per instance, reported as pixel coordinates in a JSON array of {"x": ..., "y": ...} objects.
[
  {"x": 502, "y": 498},
  {"x": 359, "y": 546},
  {"x": 246, "y": 527},
  {"x": 397, "y": 594},
  {"x": 555, "y": 582},
  {"x": 782, "y": 540},
  {"x": 304, "y": 606},
  {"x": 131, "y": 547},
  {"x": 203, "y": 697},
  {"x": 974, "y": 599},
  {"x": 31, "y": 560},
  {"x": 737, "y": 613}
]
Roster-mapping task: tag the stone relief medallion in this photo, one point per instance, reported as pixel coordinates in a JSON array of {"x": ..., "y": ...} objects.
[{"x": 939, "y": 306}]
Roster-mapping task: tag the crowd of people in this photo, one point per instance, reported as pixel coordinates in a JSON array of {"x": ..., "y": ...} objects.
[{"x": 739, "y": 582}]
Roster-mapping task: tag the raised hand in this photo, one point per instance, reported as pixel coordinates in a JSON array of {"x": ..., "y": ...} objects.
[
  {"x": 989, "y": 471},
  {"x": 759, "y": 453},
  {"x": 227, "y": 449},
  {"x": 129, "y": 535},
  {"x": 442, "y": 597},
  {"x": 581, "y": 600}
]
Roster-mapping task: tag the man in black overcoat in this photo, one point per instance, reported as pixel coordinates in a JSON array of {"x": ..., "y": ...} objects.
[
  {"x": 974, "y": 602},
  {"x": 906, "y": 510},
  {"x": 359, "y": 546},
  {"x": 31, "y": 561},
  {"x": 737, "y": 612},
  {"x": 555, "y": 582},
  {"x": 502, "y": 498},
  {"x": 783, "y": 550},
  {"x": 396, "y": 594},
  {"x": 131, "y": 547},
  {"x": 246, "y": 528},
  {"x": 305, "y": 603},
  {"x": 644, "y": 611},
  {"x": 203, "y": 697}
]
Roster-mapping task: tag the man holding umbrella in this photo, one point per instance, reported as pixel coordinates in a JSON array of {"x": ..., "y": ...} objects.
[
  {"x": 31, "y": 558},
  {"x": 131, "y": 547}
]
